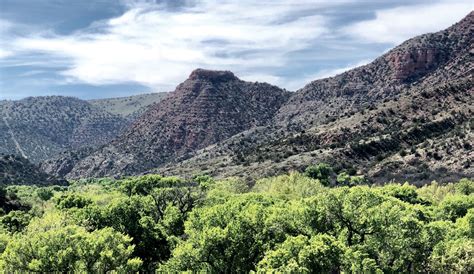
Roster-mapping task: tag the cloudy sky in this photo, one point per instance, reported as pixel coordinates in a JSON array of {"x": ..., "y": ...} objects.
[{"x": 108, "y": 48}]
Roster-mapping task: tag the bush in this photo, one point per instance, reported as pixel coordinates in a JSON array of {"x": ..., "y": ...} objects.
[
  {"x": 15, "y": 221},
  {"x": 72, "y": 200},
  {"x": 321, "y": 171},
  {"x": 70, "y": 248}
]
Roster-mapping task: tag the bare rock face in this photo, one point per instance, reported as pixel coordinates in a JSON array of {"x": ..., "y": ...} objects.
[
  {"x": 414, "y": 62},
  {"x": 383, "y": 79},
  {"x": 212, "y": 75},
  {"x": 208, "y": 107}
]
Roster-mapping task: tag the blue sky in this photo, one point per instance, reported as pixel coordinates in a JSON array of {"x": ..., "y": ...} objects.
[{"x": 110, "y": 48}]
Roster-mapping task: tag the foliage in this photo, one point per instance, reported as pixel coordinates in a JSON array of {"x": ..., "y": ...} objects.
[
  {"x": 72, "y": 200},
  {"x": 15, "y": 221},
  {"x": 455, "y": 206},
  {"x": 319, "y": 254},
  {"x": 321, "y": 171},
  {"x": 70, "y": 248},
  {"x": 288, "y": 223},
  {"x": 293, "y": 185},
  {"x": 344, "y": 179}
]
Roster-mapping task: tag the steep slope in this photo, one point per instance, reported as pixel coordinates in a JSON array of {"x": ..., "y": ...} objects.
[
  {"x": 40, "y": 127},
  {"x": 406, "y": 115},
  {"x": 129, "y": 107},
  {"x": 385, "y": 78},
  {"x": 15, "y": 170},
  {"x": 208, "y": 107}
]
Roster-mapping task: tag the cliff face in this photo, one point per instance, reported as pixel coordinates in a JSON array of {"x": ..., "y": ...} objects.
[
  {"x": 415, "y": 61},
  {"x": 208, "y": 107},
  {"x": 385, "y": 78}
]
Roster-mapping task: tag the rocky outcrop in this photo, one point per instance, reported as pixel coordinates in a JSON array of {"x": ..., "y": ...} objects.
[
  {"x": 411, "y": 63},
  {"x": 405, "y": 116},
  {"x": 383, "y": 79}
]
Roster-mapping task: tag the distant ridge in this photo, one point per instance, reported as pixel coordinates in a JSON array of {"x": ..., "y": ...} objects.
[
  {"x": 38, "y": 128},
  {"x": 129, "y": 107}
]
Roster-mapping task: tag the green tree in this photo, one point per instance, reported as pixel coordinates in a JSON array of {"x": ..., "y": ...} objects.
[
  {"x": 4, "y": 239},
  {"x": 345, "y": 179},
  {"x": 226, "y": 237},
  {"x": 465, "y": 186},
  {"x": 376, "y": 227},
  {"x": 69, "y": 248},
  {"x": 405, "y": 192},
  {"x": 321, "y": 171},
  {"x": 455, "y": 206},
  {"x": 454, "y": 256},
  {"x": 72, "y": 200},
  {"x": 293, "y": 185},
  {"x": 144, "y": 185},
  {"x": 319, "y": 254},
  {"x": 15, "y": 221},
  {"x": 44, "y": 193}
]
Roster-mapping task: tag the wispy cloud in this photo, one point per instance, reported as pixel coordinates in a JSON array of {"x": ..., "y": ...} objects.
[
  {"x": 157, "y": 43},
  {"x": 154, "y": 46},
  {"x": 398, "y": 24}
]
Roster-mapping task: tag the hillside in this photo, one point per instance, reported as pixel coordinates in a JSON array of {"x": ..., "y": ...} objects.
[
  {"x": 210, "y": 106},
  {"x": 15, "y": 170},
  {"x": 39, "y": 127},
  {"x": 128, "y": 107}
]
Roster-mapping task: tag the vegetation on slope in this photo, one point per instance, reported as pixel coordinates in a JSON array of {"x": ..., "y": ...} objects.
[
  {"x": 128, "y": 107},
  {"x": 289, "y": 223},
  {"x": 16, "y": 170},
  {"x": 40, "y": 127}
]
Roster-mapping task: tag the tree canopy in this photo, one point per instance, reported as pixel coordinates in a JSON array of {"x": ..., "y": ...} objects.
[{"x": 312, "y": 222}]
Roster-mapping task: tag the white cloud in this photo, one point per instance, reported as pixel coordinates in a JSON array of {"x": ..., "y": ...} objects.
[
  {"x": 153, "y": 46},
  {"x": 158, "y": 47},
  {"x": 399, "y": 24},
  {"x": 5, "y": 26},
  {"x": 5, "y": 53}
]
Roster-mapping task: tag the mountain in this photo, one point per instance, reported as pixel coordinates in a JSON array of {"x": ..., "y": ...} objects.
[
  {"x": 129, "y": 107},
  {"x": 210, "y": 106},
  {"x": 405, "y": 116},
  {"x": 39, "y": 127},
  {"x": 16, "y": 170}
]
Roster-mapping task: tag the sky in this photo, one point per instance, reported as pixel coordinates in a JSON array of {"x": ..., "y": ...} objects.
[{"x": 112, "y": 48}]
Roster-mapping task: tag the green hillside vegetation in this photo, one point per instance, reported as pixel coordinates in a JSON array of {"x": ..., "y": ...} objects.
[
  {"x": 128, "y": 106},
  {"x": 16, "y": 170},
  {"x": 299, "y": 222}
]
